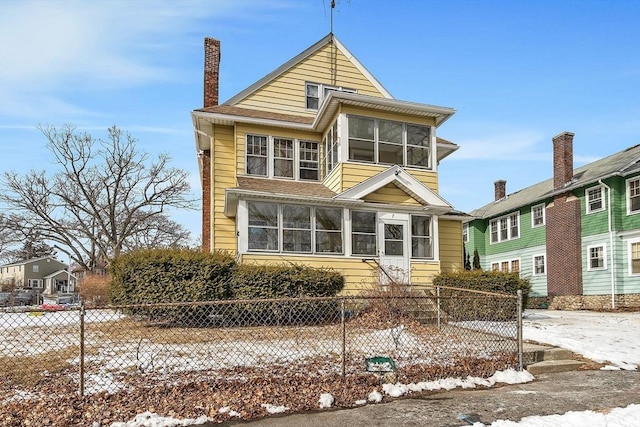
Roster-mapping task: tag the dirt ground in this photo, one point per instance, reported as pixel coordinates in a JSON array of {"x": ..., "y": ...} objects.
[{"x": 549, "y": 394}]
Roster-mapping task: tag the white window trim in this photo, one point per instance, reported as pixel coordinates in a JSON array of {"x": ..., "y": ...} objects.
[
  {"x": 321, "y": 89},
  {"x": 376, "y": 150},
  {"x": 271, "y": 158},
  {"x": 629, "y": 243},
  {"x": 509, "y": 238},
  {"x": 533, "y": 265},
  {"x": 510, "y": 261},
  {"x": 602, "y": 199},
  {"x": 544, "y": 216},
  {"x": 604, "y": 257},
  {"x": 465, "y": 236},
  {"x": 627, "y": 188}
]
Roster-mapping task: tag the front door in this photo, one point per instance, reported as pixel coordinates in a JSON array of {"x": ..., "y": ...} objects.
[{"x": 394, "y": 249}]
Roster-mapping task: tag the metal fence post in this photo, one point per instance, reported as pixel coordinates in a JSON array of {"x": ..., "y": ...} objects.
[
  {"x": 82, "y": 313},
  {"x": 344, "y": 338},
  {"x": 438, "y": 301},
  {"x": 519, "y": 332}
]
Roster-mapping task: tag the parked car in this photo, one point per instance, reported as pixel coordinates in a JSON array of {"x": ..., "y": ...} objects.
[{"x": 5, "y": 297}]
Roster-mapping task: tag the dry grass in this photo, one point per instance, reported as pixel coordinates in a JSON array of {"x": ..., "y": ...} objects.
[{"x": 28, "y": 371}]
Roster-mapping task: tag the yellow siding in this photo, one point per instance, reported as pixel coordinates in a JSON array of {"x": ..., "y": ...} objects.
[
  {"x": 355, "y": 173},
  {"x": 450, "y": 235},
  {"x": 359, "y": 111},
  {"x": 422, "y": 272},
  {"x": 358, "y": 275},
  {"x": 286, "y": 93},
  {"x": 391, "y": 194},
  {"x": 334, "y": 180},
  {"x": 223, "y": 229}
]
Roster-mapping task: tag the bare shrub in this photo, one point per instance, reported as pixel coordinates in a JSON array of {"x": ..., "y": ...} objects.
[{"x": 94, "y": 289}]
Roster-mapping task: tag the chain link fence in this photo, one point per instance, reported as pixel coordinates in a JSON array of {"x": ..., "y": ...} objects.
[{"x": 417, "y": 335}]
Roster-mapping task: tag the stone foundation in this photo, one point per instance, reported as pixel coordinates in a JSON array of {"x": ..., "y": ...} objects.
[{"x": 583, "y": 302}]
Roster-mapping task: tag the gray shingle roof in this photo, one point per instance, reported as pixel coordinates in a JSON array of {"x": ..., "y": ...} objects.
[{"x": 622, "y": 163}]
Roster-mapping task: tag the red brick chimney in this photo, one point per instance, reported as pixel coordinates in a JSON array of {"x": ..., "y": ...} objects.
[
  {"x": 211, "y": 69},
  {"x": 500, "y": 187},
  {"x": 562, "y": 159}
]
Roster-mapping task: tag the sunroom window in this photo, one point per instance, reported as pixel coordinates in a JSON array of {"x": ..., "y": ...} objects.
[
  {"x": 363, "y": 233},
  {"x": 389, "y": 142},
  {"x": 329, "y": 230},
  {"x": 296, "y": 228},
  {"x": 263, "y": 226}
]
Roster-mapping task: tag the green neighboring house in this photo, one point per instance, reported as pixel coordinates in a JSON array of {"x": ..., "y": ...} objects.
[{"x": 576, "y": 236}]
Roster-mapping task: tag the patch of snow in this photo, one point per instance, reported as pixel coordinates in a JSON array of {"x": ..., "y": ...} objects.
[
  {"x": 618, "y": 417},
  {"x": 228, "y": 410},
  {"x": 375, "y": 396},
  {"x": 361, "y": 402},
  {"x": 273, "y": 409},
  {"x": 610, "y": 368},
  {"x": 149, "y": 419},
  {"x": 326, "y": 400}
]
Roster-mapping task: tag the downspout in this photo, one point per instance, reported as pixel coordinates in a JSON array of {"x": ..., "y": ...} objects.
[{"x": 611, "y": 247}]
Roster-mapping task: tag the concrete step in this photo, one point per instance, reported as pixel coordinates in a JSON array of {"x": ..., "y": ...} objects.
[
  {"x": 552, "y": 366},
  {"x": 553, "y": 353}
]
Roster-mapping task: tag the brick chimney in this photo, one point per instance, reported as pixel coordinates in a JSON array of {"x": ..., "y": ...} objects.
[
  {"x": 500, "y": 187},
  {"x": 562, "y": 159},
  {"x": 211, "y": 69}
]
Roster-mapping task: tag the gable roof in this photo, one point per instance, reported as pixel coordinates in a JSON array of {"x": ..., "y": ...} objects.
[
  {"x": 55, "y": 273},
  {"x": 622, "y": 163},
  {"x": 405, "y": 181},
  {"x": 28, "y": 261},
  {"x": 329, "y": 38}
]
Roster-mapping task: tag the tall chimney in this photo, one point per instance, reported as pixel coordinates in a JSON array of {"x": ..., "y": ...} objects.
[
  {"x": 562, "y": 159},
  {"x": 211, "y": 69},
  {"x": 500, "y": 188}
]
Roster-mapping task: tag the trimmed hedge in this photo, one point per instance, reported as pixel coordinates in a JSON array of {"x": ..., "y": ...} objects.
[
  {"x": 467, "y": 306},
  {"x": 170, "y": 275}
]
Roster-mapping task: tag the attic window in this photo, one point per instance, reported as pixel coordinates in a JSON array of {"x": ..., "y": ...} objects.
[{"x": 315, "y": 93}]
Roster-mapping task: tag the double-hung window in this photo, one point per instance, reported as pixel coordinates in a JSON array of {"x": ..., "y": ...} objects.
[
  {"x": 595, "y": 202},
  {"x": 465, "y": 232},
  {"x": 421, "y": 240},
  {"x": 633, "y": 195},
  {"x": 505, "y": 228},
  {"x": 539, "y": 266},
  {"x": 418, "y": 146},
  {"x": 329, "y": 230},
  {"x": 263, "y": 226},
  {"x": 362, "y": 139},
  {"x": 596, "y": 258},
  {"x": 363, "y": 233},
  {"x": 277, "y": 157},
  {"x": 634, "y": 258},
  {"x": 315, "y": 93},
  {"x": 537, "y": 215},
  {"x": 296, "y": 228},
  {"x": 390, "y": 145}
]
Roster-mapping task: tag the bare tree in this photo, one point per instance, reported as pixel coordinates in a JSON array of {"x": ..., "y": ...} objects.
[
  {"x": 10, "y": 235},
  {"x": 106, "y": 197}
]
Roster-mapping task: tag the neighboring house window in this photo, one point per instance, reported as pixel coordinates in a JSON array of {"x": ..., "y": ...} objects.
[
  {"x": 296, "y": 228},
  {"x": 389, "y": 142},
  {"x": 315, "y": 93},
  {"x": 276, "y": 157},
  {"x": 537, "y": 215},
  {"x": 539, "y": 267},
  {"x": 329, "y": 230},
  {"x": 421, "y": 241},
  {"x": 594, "y": 200},
  {"x": 363, "y": 233},
  {"x": 257, "y": 155},
  {"x": 465, "y": 233},
  {"x": 282, "y": 158},
  {"x": 596, "y": 257},
  {"x": 633, "y": 195},
  {"x": 505, "y": 228},
  {"x": 509, "y": 265},
  {"x": 308, "y": 160},
  {"x": 263, "y": 226},
  {"x": 634, "y": 258},
  {"x": 36, "y": 268},
  {"x": 35, "y": 283}
]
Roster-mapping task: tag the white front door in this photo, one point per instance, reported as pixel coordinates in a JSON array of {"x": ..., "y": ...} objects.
[{"x": 394, "y": 249}]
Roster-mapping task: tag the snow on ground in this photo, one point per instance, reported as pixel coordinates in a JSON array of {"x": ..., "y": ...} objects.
[{"x": 604, "y": 337}]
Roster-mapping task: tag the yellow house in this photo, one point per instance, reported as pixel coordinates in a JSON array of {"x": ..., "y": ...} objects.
[{"x": 316, "y": 163}]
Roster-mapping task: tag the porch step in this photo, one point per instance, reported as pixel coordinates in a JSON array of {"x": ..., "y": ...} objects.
[
  {"x": 554, "y": 353},
  {"x": 552, "y": 366}
]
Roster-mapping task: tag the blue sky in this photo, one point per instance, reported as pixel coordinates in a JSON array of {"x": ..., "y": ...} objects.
[{"x": 517, "y": 72}]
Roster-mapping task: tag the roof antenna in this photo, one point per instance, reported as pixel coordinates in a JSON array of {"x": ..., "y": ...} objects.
[{"x": 333, "y": 6}]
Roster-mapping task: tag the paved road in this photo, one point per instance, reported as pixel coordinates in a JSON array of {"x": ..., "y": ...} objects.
[{"x": 548, "y": 394}]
